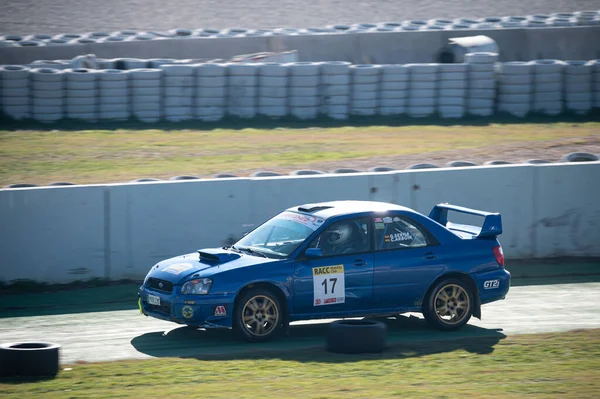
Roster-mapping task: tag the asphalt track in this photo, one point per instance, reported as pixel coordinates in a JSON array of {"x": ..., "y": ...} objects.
[
  {"x": 125, "y": 334},
  {"x": 60, "y": 16}
]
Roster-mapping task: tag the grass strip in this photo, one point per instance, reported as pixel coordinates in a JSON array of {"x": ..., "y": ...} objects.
[{"x": 565, "y": 365}]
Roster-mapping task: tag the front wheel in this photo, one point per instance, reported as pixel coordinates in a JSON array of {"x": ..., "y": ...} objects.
[
  {"x": 258, "y": 316},
  {"x": 449, "y": 306}
]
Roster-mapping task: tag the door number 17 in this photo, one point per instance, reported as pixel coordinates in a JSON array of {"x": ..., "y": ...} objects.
[{"x": 332, "y": 281}]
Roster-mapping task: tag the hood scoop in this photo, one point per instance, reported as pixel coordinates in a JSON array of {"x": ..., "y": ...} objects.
[{"x": 217, "y": 255}]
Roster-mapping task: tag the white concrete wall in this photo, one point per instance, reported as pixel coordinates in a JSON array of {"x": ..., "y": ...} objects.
[
  {"x": 516, "y": 44},
  {"x": 62, "y": 234}
]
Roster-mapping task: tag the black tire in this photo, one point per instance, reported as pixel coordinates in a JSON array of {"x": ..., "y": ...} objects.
[
  {"x": 270, "y": 318},
  {"x": 356, "y": 336},
  {"x": 29, "y": 359},
  {"x": 435, "y": 319}
]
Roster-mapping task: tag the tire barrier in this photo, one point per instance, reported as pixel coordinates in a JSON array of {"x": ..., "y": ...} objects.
[
  {"x": 356, "y": 336},
  {"x": 48, "y": 94},
  {"x": 82, "y": 94},
  {"x": 114, "y": 96},
  {"x": 481, "y": 93},
  {"x": 29, "y": 359},
  {"x": 515, "y": 87},
  {"x": 394, "y": 90},
  {"x": 242, "y": 90},
  {"x": 578, "y": 18},
  {"x": 211, "y": 92},
  {"x": 15, "y": 92},
  {"x": 335, "y": 89},
  {"x": 273, "y": 90},
  {"x": 578, "y": 86},
  {"x": 452, "y": 92},
  {"x": 548, "y": 87},
  {"x": 146, "y": 94},
  {"x": 304, "y": 90},
  {"x": 422, "y": 100},
  {"x": 579, "y": 157},
  {"x": 178, "y": 92},
  {"x": 596, "y": 83}
]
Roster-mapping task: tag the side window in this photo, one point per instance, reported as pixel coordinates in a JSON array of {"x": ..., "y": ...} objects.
[
  {"x": 344, "y": 238},
  {"x": 397, "y": 232}
]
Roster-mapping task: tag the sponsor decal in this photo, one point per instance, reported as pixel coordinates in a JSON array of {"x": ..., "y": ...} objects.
[
  {"x": 329, "y": 285},
  {"x": 491, "y": 284},
  {"x": 187, "y": 312},
  {"x": 178, "y": 268},
  {"x": 387, "y": 219},
  {"x": 378, "y": 220},
  {"x": 395, "y": 237},
  {"x": 189, "y": 302},
  {"x": 379, "y": 226},
  {"x": 221, "y": 310}
]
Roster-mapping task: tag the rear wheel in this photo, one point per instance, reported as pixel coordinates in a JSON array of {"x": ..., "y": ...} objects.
[
  {"x": 258, "y": 316},
  {"x": 449, "y": 305}
]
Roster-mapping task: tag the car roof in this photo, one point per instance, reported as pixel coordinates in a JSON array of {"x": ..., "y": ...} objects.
[{"x": 330, "y": 209}]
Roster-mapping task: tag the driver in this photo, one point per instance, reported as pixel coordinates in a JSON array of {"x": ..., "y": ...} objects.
[{"x": 340, "y": 238}]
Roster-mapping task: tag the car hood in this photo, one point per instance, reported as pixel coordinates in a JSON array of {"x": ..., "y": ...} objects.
[{"x": 180, "y": 268}]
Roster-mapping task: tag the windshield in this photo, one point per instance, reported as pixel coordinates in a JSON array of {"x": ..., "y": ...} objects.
[{"x": 281, "y": 235}]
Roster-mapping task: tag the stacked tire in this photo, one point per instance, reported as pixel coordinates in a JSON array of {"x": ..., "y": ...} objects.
[
  {"x": 596, "y": 82},
  {"x": 48, "y": 94},
  {"x": 452, "y": 93},
  {"x": 423, "y": 86},
  {"x": 481, "y": 83},
  {"x": 304, "y": 90},
  {"x": 394, "y": 90},
  {"x": 146, "y": 94},
  {"x": 114, "y": 95},
  {"x": 273, "y": 90},
  {"x": 365, "y": 89},
  {"x": 578, "y": 86},
  {"x": 15, "y": 99},
  {"x": 242, "y": 89},
  {"x": 548, "y": 87},
  {"x": 335, "y": 89},
  {"x": 178, "y": 89},
  {"x": 211, "y": 92},
  {"x": 82, "y": 94},
  {"x": 515, "y": 87}
]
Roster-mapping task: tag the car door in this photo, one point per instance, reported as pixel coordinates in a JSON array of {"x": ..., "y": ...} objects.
[
  {"x": 341, "y": 280},
  {"x": 407, "y": 259}
]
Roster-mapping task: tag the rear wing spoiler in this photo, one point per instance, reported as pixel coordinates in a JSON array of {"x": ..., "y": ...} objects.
[{"x": 492, "y": 222}]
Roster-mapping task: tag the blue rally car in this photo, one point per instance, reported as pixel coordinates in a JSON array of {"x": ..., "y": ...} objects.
[{"x": 334, "y": 260}]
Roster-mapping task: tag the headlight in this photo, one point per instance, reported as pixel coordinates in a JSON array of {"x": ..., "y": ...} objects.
[{"x": 198, "y": 287}]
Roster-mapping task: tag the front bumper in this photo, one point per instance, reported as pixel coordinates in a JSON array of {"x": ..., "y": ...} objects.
[{"x": 208, "y": 311}]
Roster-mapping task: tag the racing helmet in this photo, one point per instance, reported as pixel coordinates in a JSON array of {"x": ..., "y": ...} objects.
[{"x": 339, "y": 234}]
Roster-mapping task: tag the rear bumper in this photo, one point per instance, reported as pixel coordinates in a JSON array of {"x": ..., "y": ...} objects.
[
  {"x": 492, "y": 286},
  {"x": 194, "y": 310}
]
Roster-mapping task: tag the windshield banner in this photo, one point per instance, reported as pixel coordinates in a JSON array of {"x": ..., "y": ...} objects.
[{"x": 309, "y": 221}]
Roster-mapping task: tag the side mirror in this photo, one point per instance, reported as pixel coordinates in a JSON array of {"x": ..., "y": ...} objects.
[{"x": 313, "y": 253}]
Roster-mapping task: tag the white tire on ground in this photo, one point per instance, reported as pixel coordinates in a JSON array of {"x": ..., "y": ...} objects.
[
  {"x": 216, "y": 92},
  {"x": 47, "y": 93},
  {"x": 211, "y": 81},
  {"x": 178, "y": 70},
  {"x": 451, "y": 101},
  {"x": 178, "y": 101},
  {"x": 273, "y": 70},
  {"x": 335, "y": 68},
  {"x": 272, "y": 81},
  {"x": 178, "y": 91},
  {"x": 453, "y": 84},
  {"x": 304, "y": 91},
  {"x": 81, "y": 75},
  {"x": 40, "y": 85},
  {"x": 392, "y": 102},
  {"x": 313, "y": 101},
  {"x": 397, "y": 86},
  {"x": 81, "y": 85},
  {"x": 547, "y": 78},
  {"x": 303, "y": 68},
  {"x": 12, "y": 72},
  {"x": 420, "y": 111},
  {"x": 14, "y": 83},
  {"x": 335, "y": 90},
  {"x": 47, "y": 75},
  {"x": 415, "y": 86},
  {"x": 114, "y": 75},
  {"x": 335, "y": 100},
  {"x": 515, "y": 89},
  {"x": 242, "y": 69},
  {"x": 211, "y": 102},
  {"x": 147, "y": 83},
  {"x": 145, "y": 74},
  {"x": 277, "y": 92}
]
